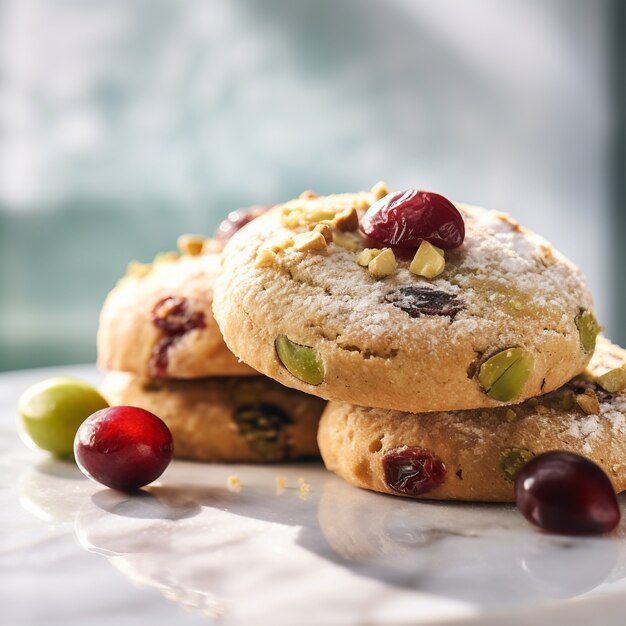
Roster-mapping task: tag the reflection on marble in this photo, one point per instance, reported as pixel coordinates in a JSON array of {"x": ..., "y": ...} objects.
[
  {"x": 234, "y": 557},
  {"x": 188, "y": 551}
]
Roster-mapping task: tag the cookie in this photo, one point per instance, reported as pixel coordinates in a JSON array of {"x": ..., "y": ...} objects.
[
  {"x": 226, "y": 419},
  {"x": 158, "y": 323},
  {"x": 475, "y": 454},
  {"x": 504, "y": 317}
]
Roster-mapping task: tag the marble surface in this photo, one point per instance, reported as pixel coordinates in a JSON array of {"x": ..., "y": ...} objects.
[{"x": 191, "y": 551}]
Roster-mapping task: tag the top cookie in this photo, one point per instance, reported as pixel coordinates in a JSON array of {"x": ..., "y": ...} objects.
[
  {"x": 504, "y": 318},
  {"x": 157, "y": 322}
]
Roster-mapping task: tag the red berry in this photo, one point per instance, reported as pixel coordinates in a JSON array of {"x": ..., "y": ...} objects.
[
  {"x": 123, "y": 447},
  {"x": 406, "y": 218},
  {"x": 566, "y": 493},
  {"x": 413, "y": 471},
  {"x": 236, "y": 220}
]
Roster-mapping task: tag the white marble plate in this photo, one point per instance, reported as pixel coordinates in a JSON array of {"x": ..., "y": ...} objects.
[{"x": 191, "y": 551}]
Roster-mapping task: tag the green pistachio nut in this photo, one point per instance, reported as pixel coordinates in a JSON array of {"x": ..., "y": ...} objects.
[
  {"x": 512, "y": 460},
  {"x": 51, "y": 412},
  {"x": 504, "y": 375},
  {"x": 588, "y": 329},
  {"x": 304, "y": 362}
]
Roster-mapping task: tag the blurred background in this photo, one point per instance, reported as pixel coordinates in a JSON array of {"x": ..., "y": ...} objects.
[{"x": 125, "y": 123}]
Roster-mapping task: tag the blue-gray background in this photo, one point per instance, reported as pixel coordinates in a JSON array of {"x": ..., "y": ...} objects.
[{"x": 124, "y": 123}]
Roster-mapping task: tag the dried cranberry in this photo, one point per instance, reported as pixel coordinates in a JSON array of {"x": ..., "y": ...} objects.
[
  {"x": 123, "y": 447},
  {"x": 566, "y": 493},
  {"x": 406, "y": 218},
  {"x": 159, "y": 360},
  {"x": 418, "y": 301},
  {"x": 413, "y": 471},
  {"x": 236, "y": 220},
  {"x": 173, "y": 316}
]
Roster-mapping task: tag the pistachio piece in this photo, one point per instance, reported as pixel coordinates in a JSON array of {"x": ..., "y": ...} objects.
[
  {"x": 366, "y": 255},
  {"x": 138, "y": 270},
  {"x": 303, "y": 362},
  {"x": 429, "y": 261},
  {"x": 325, "y": 230},
  {"x": 313, "y": 240},
  {"x": 614, "y": 380},
  {"x": 588, "y": 329},
  {"x": 165, "y": 257},
  {"x": 383, "y": 264},
  {"x": 346, "y": 242},
  {"x": 262, "y": 426},
  {"x": 265, "y": 258},
  {"x": 504, "y": 375},
  {"x": 588, "y": 402},
  {"x": 512, "y": 460},
  {"x": 379, "y": 190},
  {"x": 347, "y": 220},
  {"x": 190, "y": 244},
  {"x": 510, "y": 415}
]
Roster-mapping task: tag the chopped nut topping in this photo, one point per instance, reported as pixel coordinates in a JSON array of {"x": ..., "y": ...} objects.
[
  {"x": 379, "y": 190},
  {"x": 191, "y": 244},
  {"x": 313, "y": 240},
  {"x": 347, "y": 220},
  {"x": 308, "y": 195},
  {"x": 365, "y": 256},
  {"x": 165, "y": 257},
  {"x": 614, "y": 380},
  {"x": 327, "y": 233},
  {"x": 588, "y": 402},
  {"x": 383, "y": 264},
  {"x": 345, "y": 241},
  {"x": 304, "y": 486},
  {"x": 234, "y": 483},
  {"x": 429, "y": 261},
  {"x": 265, "y": 258},
  {"x": 138, "y": 270}
]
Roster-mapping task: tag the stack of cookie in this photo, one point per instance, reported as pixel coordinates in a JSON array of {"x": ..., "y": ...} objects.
[
  {"x": 159, "y": 340},
  {"x": 452, "y": 342}
]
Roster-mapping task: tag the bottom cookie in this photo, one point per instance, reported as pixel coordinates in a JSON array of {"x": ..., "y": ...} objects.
[
  {"x": 226, "y": 419},
  {"x": 475, "y": 455}
]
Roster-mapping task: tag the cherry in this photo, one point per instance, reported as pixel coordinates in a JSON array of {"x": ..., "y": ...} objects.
[
  {"x": 566, "y": 493},
  {"x": 236, "y": 220},
  {"x": 413, "y": 471},
  {"x": 123, "y": 447},
  {"x": 406, "y": 218}
]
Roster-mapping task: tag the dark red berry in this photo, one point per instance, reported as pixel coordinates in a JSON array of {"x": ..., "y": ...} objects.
[
  {"x": 123, "y": 447},
  {"x": 406, "y": 218},
  {"x": 236, "y": 220},
  {"x": 566, "y": 493},
  {"x": 174, "y": 316},
  {"x": 413, "y": 471}
]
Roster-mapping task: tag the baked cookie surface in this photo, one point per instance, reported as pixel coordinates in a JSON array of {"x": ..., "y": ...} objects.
[
  {"x": 226, "y": 419},
  {"x": 158, "y": 323},
  {"x": 306, "y": 308},
  {"x": 475, "y": 454}
]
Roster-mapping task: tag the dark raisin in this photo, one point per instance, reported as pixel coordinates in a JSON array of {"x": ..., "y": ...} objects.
[
  {"x": 413, "y": 471},
  {"x": 418, "y": 301},
  {"x": 263, "y": 427}
]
